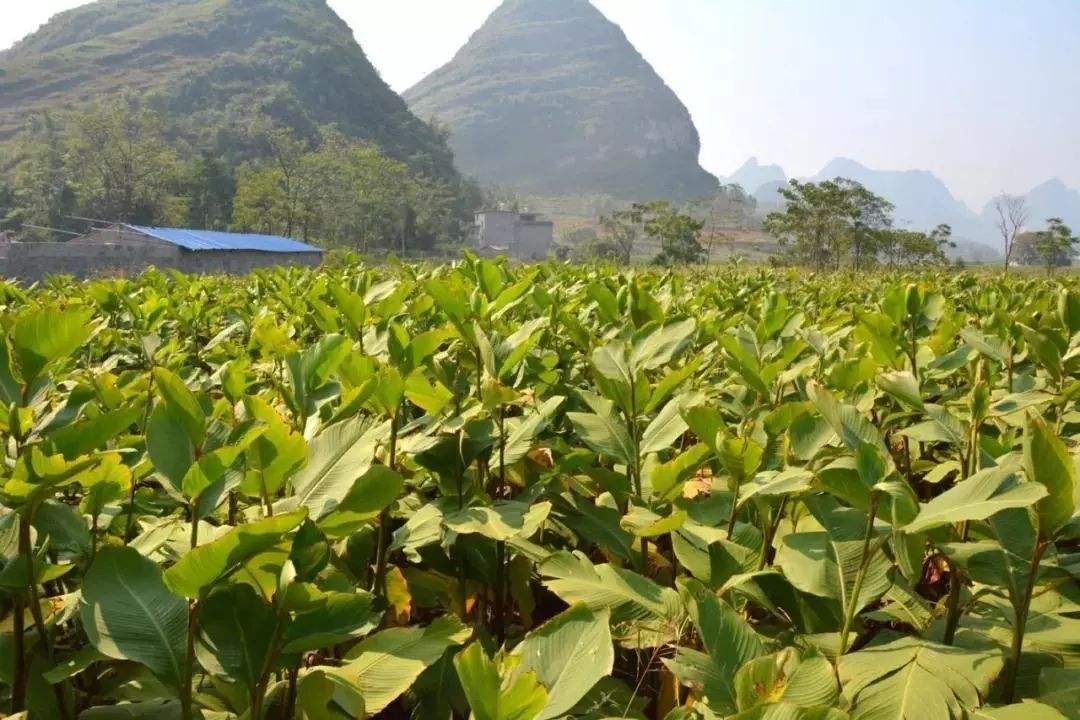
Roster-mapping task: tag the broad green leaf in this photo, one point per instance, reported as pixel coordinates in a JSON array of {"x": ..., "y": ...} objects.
[
  {"x": 786, "y": 676},
  {"x": 502, "y": 521},
  {"x": 1047, "y": 461},
  {"x": 605, "y": 435},
  {"x": 568, "y": 654},
  {"x": 236, "y": 626},
  {"x": 339, "y": 456},
  {"x": 45, "y": 335},
  {"x": 182, "y": 404},
  {"x": 204, "y": 565},
  {"x": 129, "y": 614},
  {"x": 977, "y": 498},
  {"x": 386, "y": 664},
  {"x": 520, "y": 697},
  {"x": 910, "y": 678},
  {"x": 667, "y": 427},
  {"x": 628, "y": 595}
]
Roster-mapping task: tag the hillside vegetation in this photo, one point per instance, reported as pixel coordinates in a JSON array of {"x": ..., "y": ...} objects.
[
  {"x": 211, "y": 67},
  {"x": 549, "y": 97},
  {"x": 527, "y": 493}
]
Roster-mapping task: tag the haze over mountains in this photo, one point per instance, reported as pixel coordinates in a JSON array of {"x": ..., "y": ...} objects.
[
  {"x": 550, "y": 98},
  {"x": 922, "y": 201}
]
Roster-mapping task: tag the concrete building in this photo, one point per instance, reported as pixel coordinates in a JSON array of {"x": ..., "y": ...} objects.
[
  {"x": 525, "y": 236},
  {"x": 130, "y": 249}
]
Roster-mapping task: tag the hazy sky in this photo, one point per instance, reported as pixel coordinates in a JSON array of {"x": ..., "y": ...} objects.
[{"x": 985, "y": 93}]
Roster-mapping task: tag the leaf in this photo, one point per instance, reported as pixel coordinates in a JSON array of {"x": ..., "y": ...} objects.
[
  {"x": 204, "y": 565},
  {"x": 910, "y": 678},
  {"x": 729, "y": 641},
  {"x": 181, "y": 404},
  {"x": 1020, "y": 711},
  {"x": 667, "y": 427},
  {"x": 786, "y": 676},
  {"x": 372, "y": 492},
  {"x": 662, "y": 345},
  {"x": 980, "y": 496},
  {"x": 604, "y": 434},
  {"x": 1048, "y": 462},
  {"x": 626, "y": 594},
  {"x": 332, "y": 618},
  {"x": 522, "y": 432},
  {"x": 386, "y": 664},
  {"x": 904, "y": 387},
  {"x": 568, "y": 654},
  {"x": 129, "y": 613},
  {"x": 339, "y": 456},
  {"x": 236, "y": 627},
  {"x": 502, "y": 521},
  {"x": 827, "y": 563},
  {"x": 82, "y": 437},
  {"x": 45, "y": 335},
  {"x": 1060, "y": 689},
  {"x": 169, "y": 446},
  {"x": 520, "y": 697}
]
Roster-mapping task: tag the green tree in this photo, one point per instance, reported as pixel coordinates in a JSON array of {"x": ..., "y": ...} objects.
[
  {"x": 1056, "y": 245},
  {"x": 41, "y": 192},
  {"x": 679, "y": 235},
  {"x": 824, "y": 224},
  {"x": 210, "y": 188},
  {"x": 121, "y": 166}
]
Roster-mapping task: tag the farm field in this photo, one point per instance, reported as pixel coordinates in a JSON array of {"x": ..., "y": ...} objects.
[{"x": 533, "y": 492}]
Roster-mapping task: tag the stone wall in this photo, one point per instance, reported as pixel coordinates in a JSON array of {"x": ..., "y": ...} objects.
[{"x": 81, "y": 258}]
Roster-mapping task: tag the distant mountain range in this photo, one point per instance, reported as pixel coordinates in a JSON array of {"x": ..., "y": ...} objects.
[
  {"x": 549, "y": 97},
  {"x": 922, "y": 201}
]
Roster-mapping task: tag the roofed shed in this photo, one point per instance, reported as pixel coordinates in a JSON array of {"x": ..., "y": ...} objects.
[{"x": 125, "y": 248}]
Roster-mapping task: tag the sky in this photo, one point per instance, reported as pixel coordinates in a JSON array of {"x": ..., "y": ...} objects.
[{"x": 984, "y": 93}]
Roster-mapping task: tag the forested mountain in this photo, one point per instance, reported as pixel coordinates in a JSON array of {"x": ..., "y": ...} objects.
[
  {"x": 549, "y": 97},
  {"x": 210, "y": 67}
]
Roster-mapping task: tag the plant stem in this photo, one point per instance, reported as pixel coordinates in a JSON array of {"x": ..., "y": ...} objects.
[
  {"x": 860, "y": 576},
  {"x": 384, "y": 517},
  {"x": 952, "y": 604},
  {"x": 192, "y": 626},
  {"x": 770, "y": 534},
  {"x": 1012, "y": 672},
  {"x": 500, "y": 545}
]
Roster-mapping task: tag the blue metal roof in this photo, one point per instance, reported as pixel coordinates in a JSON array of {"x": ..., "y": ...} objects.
[{"x": 198, "y": 240}]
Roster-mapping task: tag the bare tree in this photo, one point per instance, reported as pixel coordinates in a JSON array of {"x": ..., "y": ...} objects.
[{"x": 1012, "y": 212}]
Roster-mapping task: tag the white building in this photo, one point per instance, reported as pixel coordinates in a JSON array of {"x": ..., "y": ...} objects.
[{"x": 525, "y": 236}]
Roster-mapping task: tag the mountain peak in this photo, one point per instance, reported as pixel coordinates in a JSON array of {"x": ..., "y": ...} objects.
[
  {"x": 752, "y": 176},
  {"x": 550, "y": 97},
  {"x": 204, "y": 60}
]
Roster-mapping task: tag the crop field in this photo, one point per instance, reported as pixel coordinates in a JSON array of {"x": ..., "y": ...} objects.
[{"x": 497, "y": 492}]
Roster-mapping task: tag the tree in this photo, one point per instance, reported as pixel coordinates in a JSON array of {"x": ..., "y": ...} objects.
[
  {"x": 825, "y": 223},
  {"x": 620, "y": 232},
  {"x": 1012, "y": 213},
  {"x": 1056, "y": 245},
  {"x": 901, "y": 247},
  {"x": 210, "y": 189},
  {"x": 679, "y": 235},
  {"x": 121, "y": 166},
  {"x": 41, "y": 193}
]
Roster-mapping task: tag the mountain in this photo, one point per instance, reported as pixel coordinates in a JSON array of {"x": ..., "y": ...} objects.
[
  {"x": 1051, "y": 199},
  {"x": 549, "y": 97},
  {"x": 753, "y": 175},
  {"x": 212, "y": 66},
  {"x": 922, "y": 202}
]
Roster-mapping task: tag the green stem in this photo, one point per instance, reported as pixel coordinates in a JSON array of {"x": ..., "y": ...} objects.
[
  {"x": 1020, "y": 624},
  {"x": 500, "y": 546},
  {"x": 186, "y": 710},
  {"x": 384, "y": 517},
  {"x": 853, "y": 603}
]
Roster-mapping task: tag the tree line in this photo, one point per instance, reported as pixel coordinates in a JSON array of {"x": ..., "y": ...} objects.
[{"x": 124, "y": 162}]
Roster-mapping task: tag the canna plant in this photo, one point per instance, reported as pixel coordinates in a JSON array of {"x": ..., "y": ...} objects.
[{"x": 479, "y": 490}]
